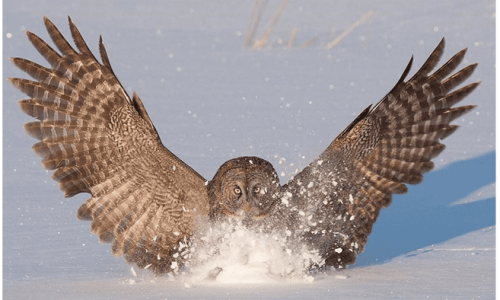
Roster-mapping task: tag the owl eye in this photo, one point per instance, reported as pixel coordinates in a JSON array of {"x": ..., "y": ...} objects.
[
  {"x": 256, "y": 189},
  {"x": 237, "y": 190}
]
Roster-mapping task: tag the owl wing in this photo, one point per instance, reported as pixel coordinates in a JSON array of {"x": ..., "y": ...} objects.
[
  {"x": 145, "y": 200},
  {"x": 336, "y": 199}
]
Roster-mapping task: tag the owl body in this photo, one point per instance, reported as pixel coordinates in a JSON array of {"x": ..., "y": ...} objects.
[{"x": 150, "y": 205}]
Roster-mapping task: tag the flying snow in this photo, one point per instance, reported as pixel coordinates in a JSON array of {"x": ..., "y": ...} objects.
[{"x": 231, "y": 253}]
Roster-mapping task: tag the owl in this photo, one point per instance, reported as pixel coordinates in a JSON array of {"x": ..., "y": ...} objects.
[{"x": 149, "y": 204}]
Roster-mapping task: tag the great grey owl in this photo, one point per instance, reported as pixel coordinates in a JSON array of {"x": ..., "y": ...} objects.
[{"x": 148, "y": 203}]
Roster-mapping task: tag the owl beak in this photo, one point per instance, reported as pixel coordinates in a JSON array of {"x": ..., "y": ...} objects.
[
  {"x": 246, "y": 211},
  {"x": 249, "y": 214}
]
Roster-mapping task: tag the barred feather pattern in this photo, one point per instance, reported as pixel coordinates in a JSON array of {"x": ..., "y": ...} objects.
[
  {"x": 338, "y": 197},
  {"x": 150, "y": 205},
  {"x": 145, "y": 201}
]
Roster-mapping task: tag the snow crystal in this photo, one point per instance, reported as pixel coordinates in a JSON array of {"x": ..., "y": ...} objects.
[
  {"x": 174, "y": 265},
  {"x": 263, "y": 191},
  {"x": 285, "y": 198},
  {"x": 181, "y": 245}
]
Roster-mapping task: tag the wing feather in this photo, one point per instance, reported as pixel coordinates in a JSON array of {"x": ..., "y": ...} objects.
[
  {"x": 145, "y": 200},
  {"x": 380, "y": 152}
]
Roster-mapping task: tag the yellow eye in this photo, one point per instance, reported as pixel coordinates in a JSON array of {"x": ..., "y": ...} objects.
[
  {"x": 256, "y": 189},
  {"x": 237, "y": 191}
]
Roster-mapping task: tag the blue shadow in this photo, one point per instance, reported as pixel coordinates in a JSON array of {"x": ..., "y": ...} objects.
[{"x": 425, "y": 216}]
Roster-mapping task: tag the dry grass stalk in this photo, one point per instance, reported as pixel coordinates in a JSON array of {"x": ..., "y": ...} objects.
[
  {"x": 308, "y": 42},
  {"x": 348, "y": 30},
  {"x": 259, "y": 44},
  {"x": 257, "y": 10},
  {"x": 293, "y": 36}
]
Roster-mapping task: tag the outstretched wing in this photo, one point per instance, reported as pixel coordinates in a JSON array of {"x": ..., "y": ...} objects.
[
  {"x": 145, "y": 200},
  {"x": 336, "y": 199}
]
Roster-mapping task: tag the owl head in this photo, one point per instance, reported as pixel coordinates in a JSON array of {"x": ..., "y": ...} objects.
[{"x": 244, "y": 188}]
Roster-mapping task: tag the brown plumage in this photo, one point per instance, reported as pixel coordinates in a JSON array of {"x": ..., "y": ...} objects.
[{"x": 148, "y": 203}]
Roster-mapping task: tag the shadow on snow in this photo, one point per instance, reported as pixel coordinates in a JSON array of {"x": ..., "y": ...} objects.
[{"x": 425, "y": 216}]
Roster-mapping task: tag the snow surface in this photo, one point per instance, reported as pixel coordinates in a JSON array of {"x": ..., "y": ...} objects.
[{"x": 211, "y": 101}]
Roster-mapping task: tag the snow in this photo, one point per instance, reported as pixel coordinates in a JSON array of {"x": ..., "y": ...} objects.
[
  {"x": 238, "y": 255},
  {"x": 211, "y": 101}
]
